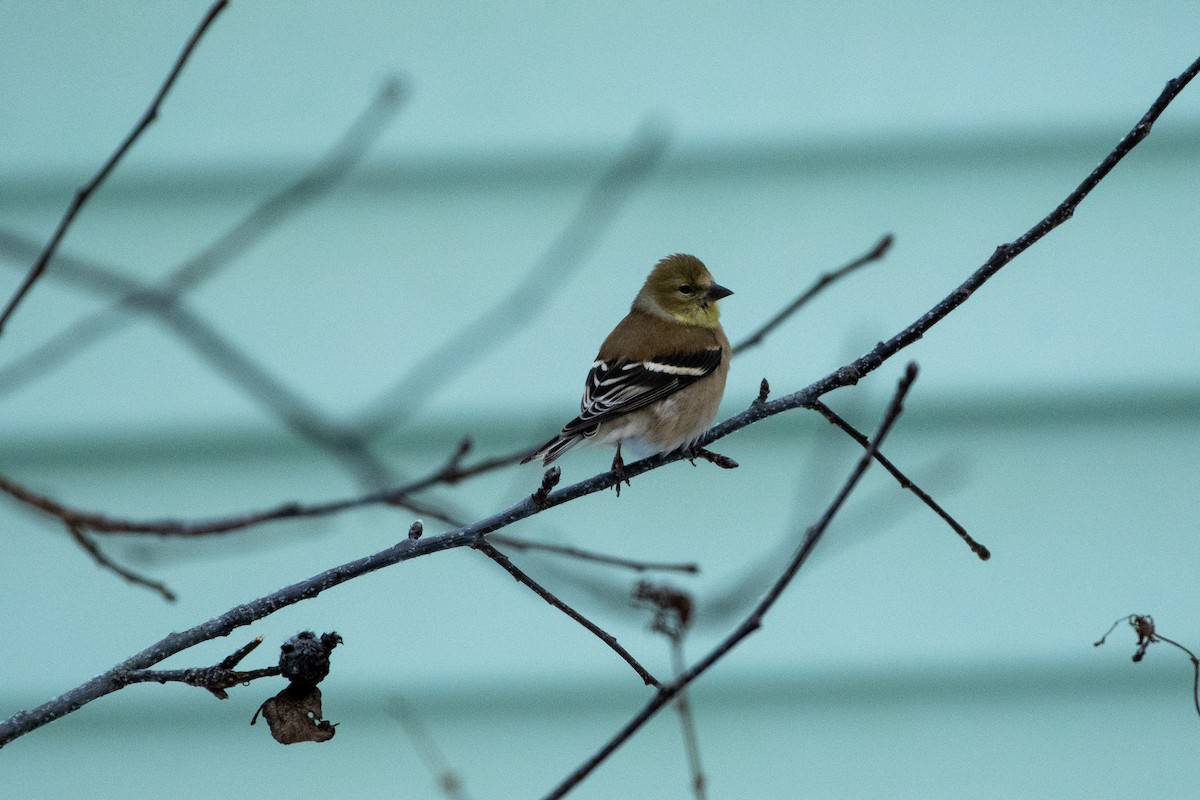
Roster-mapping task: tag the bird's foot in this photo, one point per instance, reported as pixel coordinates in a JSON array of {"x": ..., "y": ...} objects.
[{"x": 618, "y": 468}]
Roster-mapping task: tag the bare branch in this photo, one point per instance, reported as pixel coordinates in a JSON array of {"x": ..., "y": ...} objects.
[
  {"x": 451, "y": 473},
  {"x": 1005, "y": 253},
  {"x": 1147, "y": 633},
  {"x": 876, "y": 253},
  {"x": 104, "y": 561},
  {"x": 687, "y": 723},
  {"x": 215, "y": 679},
  {"x": 673, "y": 615},
  {"x": 862, "y": 366},
  {"x": 102, "y": 523},
  {"x": 512, "y": 569},
  {"x": 247, "y": 613},
  {"x": 600, "y": 558},
  {"x": 977, "y": 548},
  {"x": 401, "y": 496},
  {"x": 82, "y": 195}
]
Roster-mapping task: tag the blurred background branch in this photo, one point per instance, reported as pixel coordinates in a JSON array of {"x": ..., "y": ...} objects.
[{"x": 85, "y": 191}]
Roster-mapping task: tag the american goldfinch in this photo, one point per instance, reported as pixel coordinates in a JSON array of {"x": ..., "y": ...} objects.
[{"x": 658, "y": 379}]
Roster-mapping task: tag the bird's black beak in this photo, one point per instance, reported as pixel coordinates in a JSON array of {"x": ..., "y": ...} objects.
[{"x": 717, "y": 291}]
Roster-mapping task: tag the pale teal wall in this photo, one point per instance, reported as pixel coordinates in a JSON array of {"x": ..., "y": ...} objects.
[{"x": 1058, "y": 413}]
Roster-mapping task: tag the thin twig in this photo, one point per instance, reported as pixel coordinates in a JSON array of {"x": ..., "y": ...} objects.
[
  {"x": 216, "y": 679},
  {"x": 104, "y": 561},
  {"x": 600, "y": 558},
  {"x": 674, "y": 612},
  {"x": 402, "y": 496},
  {"x": 687, "y": 723},
  {"x": 1195, "y": 670},
  {"x": 876, "y": 253},
  {"x": 82, "y": 195},
  {"x": 495, "y": 555},
  {"x": 396, "y": 496},
  {"x": 753, "y": 622},
  {"x": 1147, "y": 633},
  {"x": 452, "y": 472},
  {"x": 233, "y": 659},
  {"x": 905, "y": 483}
]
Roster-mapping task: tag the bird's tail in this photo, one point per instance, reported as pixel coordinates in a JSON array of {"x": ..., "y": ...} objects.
[{"x": 554, "y": 448}]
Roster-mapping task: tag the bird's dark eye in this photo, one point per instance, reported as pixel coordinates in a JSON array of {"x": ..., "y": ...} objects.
[{"x": 686, "y": 289}]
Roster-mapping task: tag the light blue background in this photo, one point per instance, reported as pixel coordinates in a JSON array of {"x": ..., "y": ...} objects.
[{"x": 1057, "y": 415}]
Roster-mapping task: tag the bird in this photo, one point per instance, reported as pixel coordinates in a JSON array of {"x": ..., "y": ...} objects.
[{"x": 655, "y": 385}]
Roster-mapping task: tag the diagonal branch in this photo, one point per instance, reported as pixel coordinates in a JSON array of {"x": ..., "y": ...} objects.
[
  {"x": 599, "y": 558},
  {"x": 687, "y": 723},
  {"x": 876, "y": 253},
  {"x": 337, "y": 162},
  {"x": 1005, "y": 253},
  {"x": 82, "y": 195},
  {"x": 905, "y": 483},
  {"x": 90, "y": 547},
  {"x": 862, "y": 366},
  {"x": 216, "y": 679},
  {"x": 512, "y": 569}
]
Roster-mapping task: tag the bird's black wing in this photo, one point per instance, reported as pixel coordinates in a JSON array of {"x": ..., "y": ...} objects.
[{"x": 614, "y": 388}]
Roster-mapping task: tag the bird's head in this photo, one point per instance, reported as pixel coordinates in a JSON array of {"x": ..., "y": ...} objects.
[{"x": 681, "y": 288}]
